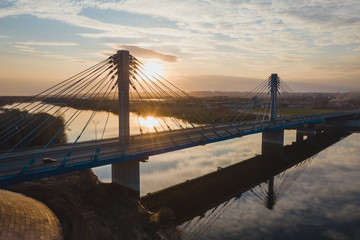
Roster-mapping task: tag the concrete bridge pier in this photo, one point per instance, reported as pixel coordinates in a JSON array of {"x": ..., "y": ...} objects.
[
  {"x": 127, "y": 174},
  {"x": 308, "y": 130},
  {"x": 272, "y": 143},
  {"x": 299, "y": 134},
  {"x": 311, "y": 132}
]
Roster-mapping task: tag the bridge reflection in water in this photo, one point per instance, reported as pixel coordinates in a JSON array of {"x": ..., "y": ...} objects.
[{"x": 264, "y": 178}]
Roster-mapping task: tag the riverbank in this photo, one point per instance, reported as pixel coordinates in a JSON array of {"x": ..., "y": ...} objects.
[{"x": 89, "y": 209}]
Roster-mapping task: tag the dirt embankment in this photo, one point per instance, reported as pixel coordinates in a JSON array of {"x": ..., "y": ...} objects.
[{"x": 89, "y": 209}]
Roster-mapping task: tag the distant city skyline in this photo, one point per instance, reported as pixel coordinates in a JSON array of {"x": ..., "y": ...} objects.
[{"x": 198, "y": 45}]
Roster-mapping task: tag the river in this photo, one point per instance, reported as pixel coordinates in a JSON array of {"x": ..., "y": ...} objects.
[{"x": 322, "y": 203}]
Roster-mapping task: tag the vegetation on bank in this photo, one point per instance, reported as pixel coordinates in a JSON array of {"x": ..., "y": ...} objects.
[
  {"x": 9, "y": 100},
  {"x": 200, "y": 110},
  {"x": 208, "y": 109},
  {"x": 182, "y": 110},
  {"x": 24, "y": 124}
]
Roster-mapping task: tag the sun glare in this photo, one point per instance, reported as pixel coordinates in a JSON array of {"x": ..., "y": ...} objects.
[
  {"x": 154, "y": 68},
  {"x": 148, "y": 122}
]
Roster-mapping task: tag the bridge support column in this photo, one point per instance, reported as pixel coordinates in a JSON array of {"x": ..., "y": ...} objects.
[
  {"x": 299, "y": 134},
  {"x": 308, "y": 130},
  {"x": 273, "y": 143},
  {"x": 127, "y": 174},
  {"x": 311, "y": 132}
]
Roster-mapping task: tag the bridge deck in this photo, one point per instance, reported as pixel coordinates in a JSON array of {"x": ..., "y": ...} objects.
[{"x": 84, "y": 154}]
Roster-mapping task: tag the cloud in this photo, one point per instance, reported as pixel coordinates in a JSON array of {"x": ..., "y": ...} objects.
[
  {"x": 25, "y": 48},
  {"x": 148, "y": 53},
  {"x": 30, "y": 43},
  {"x": 211, "y": 37},
  {"x": 241, "y": 24},
  {"x": 4, "y": 37}
]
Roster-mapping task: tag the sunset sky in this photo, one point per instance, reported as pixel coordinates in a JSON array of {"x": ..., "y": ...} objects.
[{"x": 313, "y": 45}]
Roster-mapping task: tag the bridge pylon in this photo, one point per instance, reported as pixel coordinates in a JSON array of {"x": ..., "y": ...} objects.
[
  {"x": 274, "y": 88},
  {"x": 123, "y": 82},
  {"x": 270, "y": 197},
  {"x": 127, "y": 173}
]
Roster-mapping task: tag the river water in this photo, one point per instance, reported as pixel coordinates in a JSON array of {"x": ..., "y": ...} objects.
[{"x": 322, "y": 203}]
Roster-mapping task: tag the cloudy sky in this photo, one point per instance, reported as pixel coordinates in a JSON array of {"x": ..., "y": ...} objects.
[{"x": 314, "y": 45}]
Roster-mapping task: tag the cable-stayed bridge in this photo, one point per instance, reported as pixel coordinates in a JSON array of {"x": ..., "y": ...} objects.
[{"x": 121, "y": 84}]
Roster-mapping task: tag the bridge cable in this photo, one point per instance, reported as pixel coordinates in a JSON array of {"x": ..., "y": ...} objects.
[
  {"x": 102, "y": 81},
  {"x": 28, "y": 119},
  {"x": 57, "y": 86},
  {"x": 165, "y": 96},
  {"x": 32, "y": 161},
  {"x": 39, "y": 108},
  {"x": 43, "y": 123},
  {"x": 84, "y": 95},
  {"x": 146, "y": 91},
  {"x": 106, "y": 122},
  {"x": 104, "y": 96},
  {"x": 182, "y": 100}
]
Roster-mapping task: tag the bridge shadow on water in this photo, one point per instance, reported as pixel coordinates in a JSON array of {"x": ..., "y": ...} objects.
[{"x": 263, "y": 178}]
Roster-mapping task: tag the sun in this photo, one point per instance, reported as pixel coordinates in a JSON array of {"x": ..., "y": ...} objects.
[{"x": 154, "y": 68}]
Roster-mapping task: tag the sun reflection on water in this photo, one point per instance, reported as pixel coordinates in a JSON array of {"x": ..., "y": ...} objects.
[{"x": 148, "y": 122}]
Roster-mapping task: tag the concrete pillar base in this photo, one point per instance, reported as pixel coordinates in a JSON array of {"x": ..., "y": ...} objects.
[
  {"x": 308, "y": 130},
  {"x": 299, "y": 134},
  {"x": 127, "y": 174},
  {"x": 273, "y": 143}
]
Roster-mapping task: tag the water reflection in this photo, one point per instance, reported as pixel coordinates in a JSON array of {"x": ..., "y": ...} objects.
[
  {"x": 197, "y": 196},
  {"x": 323, "y": 203}
]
